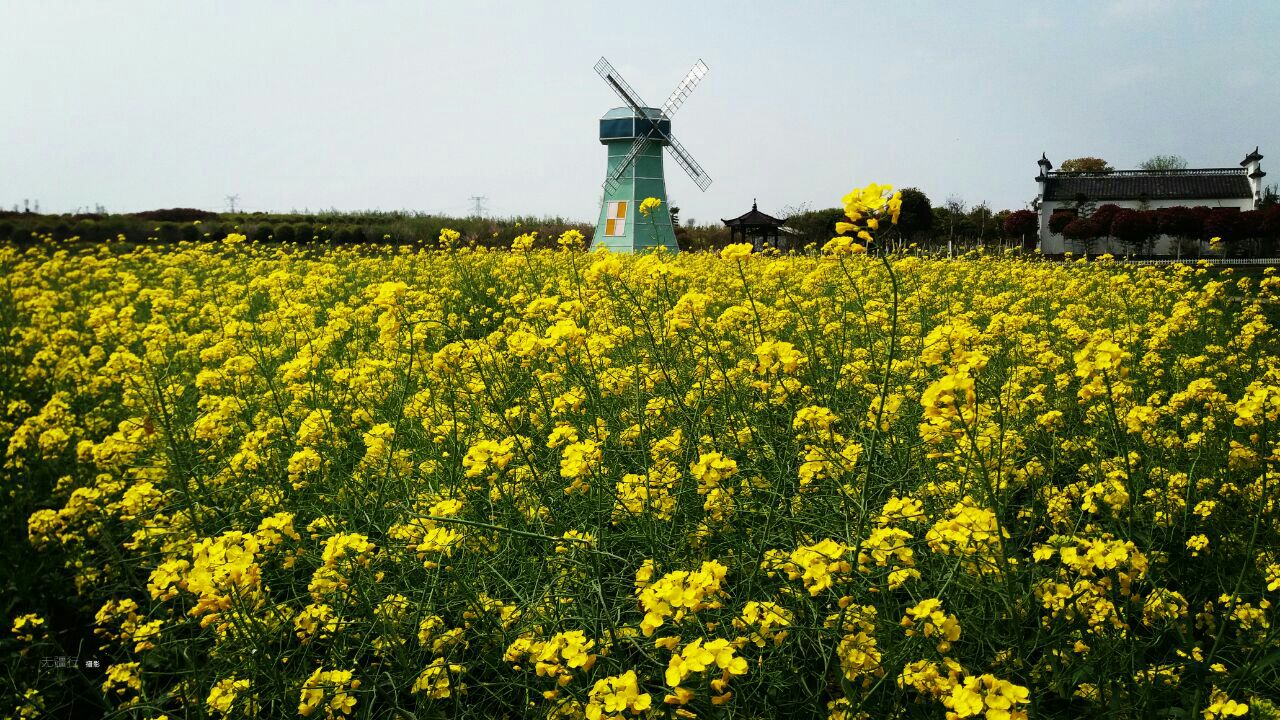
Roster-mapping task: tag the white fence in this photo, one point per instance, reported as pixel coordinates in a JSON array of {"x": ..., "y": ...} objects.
[{"x": 1211, "y": 261}]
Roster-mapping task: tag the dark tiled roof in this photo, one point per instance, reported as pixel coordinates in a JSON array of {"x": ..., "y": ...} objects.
[
  {"x": 753, "y": 217},
  {"x": 1214, "y": 183}
]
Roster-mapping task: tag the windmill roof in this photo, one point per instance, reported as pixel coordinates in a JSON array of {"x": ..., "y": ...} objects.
[
  {"x": 752, "y": 217},
  {"x": 1207, "y": 183},
  {"x": 620, "y": 113}
]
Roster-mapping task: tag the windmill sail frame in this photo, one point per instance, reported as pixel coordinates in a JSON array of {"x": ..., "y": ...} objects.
[{"x": 677, "y": 149}]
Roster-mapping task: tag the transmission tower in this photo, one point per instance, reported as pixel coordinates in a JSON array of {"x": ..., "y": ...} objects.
[
  {"x": 478, "y": 208},
  {"x": 231, "y": 202}
]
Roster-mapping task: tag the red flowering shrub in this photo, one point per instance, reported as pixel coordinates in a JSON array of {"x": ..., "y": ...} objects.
[
  {"x": 1060, "y": 219},
  {"x": 1023, "y": 224},
  {"x": 1133, "y": 227},
  {"x": 1081, "y": 229}
]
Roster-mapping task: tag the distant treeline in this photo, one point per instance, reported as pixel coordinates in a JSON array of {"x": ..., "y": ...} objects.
[
  {"x": 804, "y": 227},
  {"x": 192, "y": 225},
  {"x": 952, "y": 224}
]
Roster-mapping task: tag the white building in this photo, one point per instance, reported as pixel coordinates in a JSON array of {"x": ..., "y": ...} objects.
[{"x": 1239, "y": 188}]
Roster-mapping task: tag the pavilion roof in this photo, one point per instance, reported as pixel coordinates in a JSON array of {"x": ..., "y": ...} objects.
[{"x": 753, "y": 217}]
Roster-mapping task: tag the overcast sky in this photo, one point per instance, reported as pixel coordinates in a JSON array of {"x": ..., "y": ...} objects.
[{"x": 419, "y": 105}]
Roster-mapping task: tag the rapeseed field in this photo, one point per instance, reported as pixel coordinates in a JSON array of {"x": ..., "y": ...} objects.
[{"x": 377, "y": 482}]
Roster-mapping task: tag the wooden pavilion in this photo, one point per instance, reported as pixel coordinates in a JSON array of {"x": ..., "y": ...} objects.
[{"x": 756, "y": 228}]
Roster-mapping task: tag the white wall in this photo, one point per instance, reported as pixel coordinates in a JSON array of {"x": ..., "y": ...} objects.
[{"x": 1055, "y": 244}]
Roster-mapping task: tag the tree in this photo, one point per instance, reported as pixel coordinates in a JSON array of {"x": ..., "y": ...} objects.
[
  {"x": 177, "y": 215},
  {"x": 1221, "y": 223},
  {"x": 1085, "y": 164},
  {"x": 1082, "y": 231},
  {"x": 1059, "y": 220},
  {"x": 953, "y": 216},
  {"x": 1180, "y": 224},
  {"x": 1249, "y": 228},
  {"x": 1133, "y": 227},
  {"x": 1201, "y": 214},
  {"x": 1269, "y": 229},
  {"x": 916, "y": 217},
  {"x": 1022, "y": 224},
  {"x": 1177, "y": 221},
  {"x": 980, "y": 219},
  {"x": 814, "y": 226},
  {"x": 1270, "y": 196},
  {"x": 1103, "y": 215},
  {"x": 1164, "y": 162},
  {"x": 997, "y": 223}
]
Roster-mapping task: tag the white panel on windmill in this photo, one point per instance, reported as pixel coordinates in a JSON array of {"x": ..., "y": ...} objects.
[{"x": 615, "y": 222}]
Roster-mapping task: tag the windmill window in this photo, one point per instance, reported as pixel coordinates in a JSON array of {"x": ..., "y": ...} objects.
[{"x": 615, "y": 222}]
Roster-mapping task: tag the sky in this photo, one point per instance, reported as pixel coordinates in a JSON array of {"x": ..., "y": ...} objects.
[{"x": 422, "y": 105}]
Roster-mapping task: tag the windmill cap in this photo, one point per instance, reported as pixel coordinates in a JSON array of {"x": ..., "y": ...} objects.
[
  {"x": 621, "y": 124},
  {"x": 620, "y": 113}
]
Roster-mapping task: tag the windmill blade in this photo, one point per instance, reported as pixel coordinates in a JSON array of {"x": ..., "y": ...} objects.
[
  {"x": 691, "y": 166},
  {"x": 611, "y": 182},
  {"x": 684, "y": 89},
  {"x": 620, "y": 86}
]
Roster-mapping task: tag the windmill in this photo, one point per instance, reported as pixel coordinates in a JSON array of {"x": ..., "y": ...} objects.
[{"x": 635, "y": 135}]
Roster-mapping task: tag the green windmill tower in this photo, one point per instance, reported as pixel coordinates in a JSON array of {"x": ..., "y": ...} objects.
[{"x": 635, "y": 135}]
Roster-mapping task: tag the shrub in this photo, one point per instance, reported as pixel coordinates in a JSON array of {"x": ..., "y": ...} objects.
[
  {"x": 348, "y": 235},
  {"x": 177, "y": 215},
  {"x": 811, "y": 226},
  {"x": 1269, "y": 224},
  {"x": 917, "y": 213},
  {"x": 1024, "y": 225},
  {"x": 1269, "y": 230},
  {"x": 1178, "y": 222},
  {"x": 1082, "y": 229},
  {"x": 1201, "y": 215},
  {"x": 1059, "y": 220},
  {"x": 1103, "y": 216},
  {"x": 1221, "y": 223},
  {"x": 1133, "y": 227},
  {"x": 285, "y": 234},
  {"x": 169, "y": 232},
  {"x": 1085, "y": 164},
  {"x": 1248, "y": 224}
]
